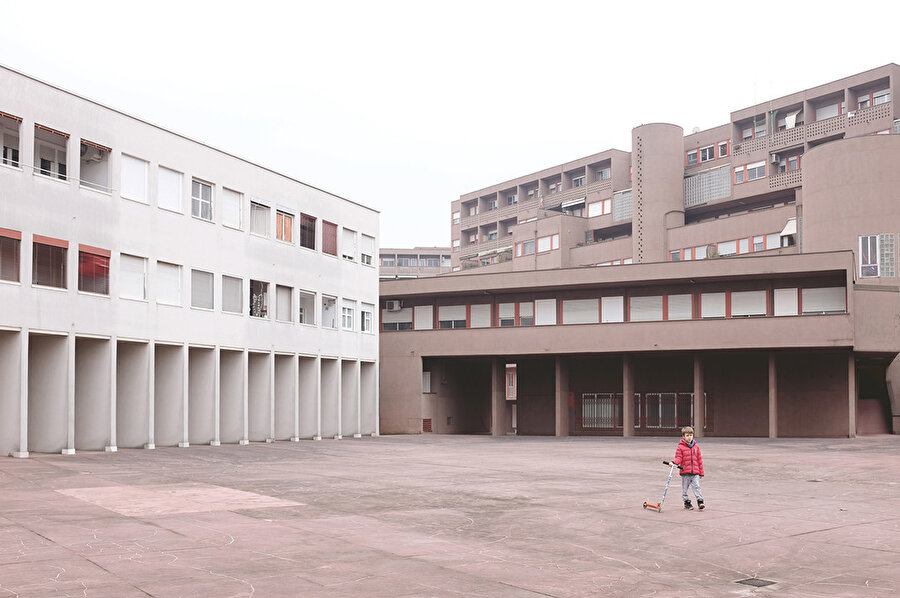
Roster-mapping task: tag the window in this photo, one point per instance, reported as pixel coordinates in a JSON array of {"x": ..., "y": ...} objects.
[
  {"x": 487, "y": 261},
  {"x": 348, "y": 245},
  {"x": 455, "y": 247},
  {"x": 645, "y": 309},
  {"x": 284, "y": 310},
  {"x": 526, "y": 314},
  {"x": 750, "y": 172},
  {"x": 506, "y": 314},
  {"x": 426, "y": 382},
  {"x": 132, "y": 277},
  {"x": 50, "y": 152},
  {"x": 555, "y": 187},
  {"x": 727, "y": 248},
  {"x": 723, "y": 149},
  {"x": 692, "y": 158},
  {"x": 307, "y": 231},
  {"x": 868, "y": 256},
  {"x": 93, "y": 270},
  {"x": 491, "y": 235},
  {"x": 307, "y": 310},
  {"x": 759, "y": 129},
  {"x": 480, "y": 315},
  {"x": 389, "y": 261},
  {"x": 134, "y": 179},
  {"x": 533, "y": 193},
  {"x": 232, "y": 209},
  {"x": 492, "y": 204},
  {"x": 407, "y": 261},
  {"x": 612, "y": 310},
  {"x": 789, "y": 164},
  {"x": 748, "y": 303},
  {"x": 473, "y": 209},
  {"x": 201, "y": 200},
  {"x": 829, "y": 111},
  {"x": 10, "y": 254},
  {"x": 94, "y": 166},
  {"x": 329, "y": 311},
  {"x": 786, "y": 303},
  {"x": 423, "y": 317},
  {"x": 455, "y": 217},
  {"x": 429, "y": 261},
  {"x": 451, "y": 316},
  {"x": 365, "y": 317},
  {"x": 832, "y": 300},
  {"x": 707, "y": 153},
  {"x": 881, "y": 97},
  {"x": 259, "y": 219},
  {"x": 738, "y": 175},
  {"x": 232, "y": 294},
  {"x": 201, "y": 289},
  {"x": 168, "y": 283},
  {"x": 548, "y": 243},
  {"x": 397, "y": 320},
  {"x": 580, "y": 311},
  {"x": 712, "y": 305},
  {"x": 512, "y": 199},
  {"x": 578, "y": 181},
  {"x": 329, "y": 238},
  {"x": 603, "y": 174},
  {"x": 545, "y": 312},
  {"x": 168, "y": 193},
  {"x": 347, "y": 310},
  {"x": 9, "y": 138},
  {"x": 680, "y": 307},
  {"x": 367, "y": 249},
  {"x": 259, "y": 299},
  {"x": 48, "y": 267},
  {"x": 284, "y": 226},
  {"x": 599, "y": 208},
  {"x": 675, "y": 256}
]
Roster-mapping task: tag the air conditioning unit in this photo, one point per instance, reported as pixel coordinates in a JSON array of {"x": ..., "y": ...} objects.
[
  {"x": 393, "y": 305},
  {"x": 91, "y": 154},
  {"x": 774, "y": 158}
]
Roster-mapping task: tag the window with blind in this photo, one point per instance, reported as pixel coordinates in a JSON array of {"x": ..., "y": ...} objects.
[
  {"x": 348, "y": 244},
  {"x": 786, "y": 303},
  {"x": 645, "y": 309},
  {"x": 48, "y": 267},
  {"x": 284, "y": 226},
  {"x": 284, "y": 309},
  {"x": 712, "y": 305},
  {"x": 132, "y": 277},
  {"x": 348, "y": 309},
  {"x": 830, "y": 300},
  {"x": 169, "y": 190},
  {"x": 612, "y": 310},
  {"x": 506, "y": 314},
  {"x": 580, "y": 311},
  {"x": 201, "y": 289},
  {"x": 93, "y": 271},
  {"x": 134, "y": 178},
  {"x": 232, "y": 209},
  {"x": 168, "y": 283},
  {"x": 329, "y": 238},
  {"x": 452, "y": 316},
  {"x": 526, "y": 314},
  {"x": 232, "y": 294},
  {"x": 259, "y": 219},
  {"x": 748, "y": 303},
  {"x": 307, "y": 308},
  {"x": 424, "y": 317},
  {"x": 10, "y": 256},
  {"x": 680, "y": 307},
  {"x": 307, "y": 231},
  {"x": 397, "y": 320},
  {"x": 201, "y": 200},
  {"x": 367, "y": 249},
  {"x": 545, "y": 312},
  {"x": 480, "y": 316}
]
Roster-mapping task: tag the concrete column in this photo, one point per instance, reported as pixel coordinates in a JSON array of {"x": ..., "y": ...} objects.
[
  {"x": 358, "y": 365},
  {"x": 185, "y": 394},
  {"x": 498, "y": 398},
  {"x": 562, "y": 397},
  {"x": 377, "y": 398},
  {"x": 627, "y": 397},
  {"x": 318, "y": 435},
  {"x": 245, "y": 399},
  {"x": 773, "y": 396},
  {"x": 151, "y": 394},
  {"x": 22, "y": 453},
  {"x": 113, "y": 368},
  {"x": 699, "y": 399},
  {"x": 339, "y": 368},
  {"x": 217, "y": 385},
  {"x": 271, "y": 437},
  {"x": 70, "y": 396},
  {"x": 295, "y": 363},
  {"x": 851, "y": 394}
]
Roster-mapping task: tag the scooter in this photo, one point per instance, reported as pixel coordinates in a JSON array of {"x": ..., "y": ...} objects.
[{"x": 658, "y": 506}]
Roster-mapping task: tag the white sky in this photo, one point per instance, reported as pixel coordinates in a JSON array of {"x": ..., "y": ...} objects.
[{"x": 405, "y": 106}]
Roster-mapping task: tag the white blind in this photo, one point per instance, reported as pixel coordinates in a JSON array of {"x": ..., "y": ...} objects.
[
  {"x": 481, "y": 316},
  {"x": 348, "y": 244},
  {"x": 283, "y": 309},
  {"x": 424, "y": 317},
  {"x": 231, "y": 208},
  {"x": 773, "y": 240},
  {"x": 134, "y": 179},
  {"x": 544, "y": 312},
  {"x": 680, "y": 307},
  {"x": 168, "y": 283},
  {"x": 368, "y": 245},
  {"x": 612, "y": 309},
  {"x": 169, "y": 190},
  {"x": 259, "y": 219},
  {"x": 452, "y": 312},
  {"x": 393, "y": 317},
  {"x": 786, "y": 302},
  {"x": 712, "y": 305},
  {"x": 727, "y": 247},
  {"x": 828, "y": 300},
  {"x": 580, "y": 311},
  {"x": 132, "y": 277},
  {"x": 748, "y": 303},
  {"x": 595, "y": 209},
  {"x": 232, "y": 292},
  {"x": 828, "y": 111},
  {"x": 646, "y": 309},
  {"x": 543, "y": 244},
  {"x": 201, "y": 289},
  {"x": 426, "y": 381}
]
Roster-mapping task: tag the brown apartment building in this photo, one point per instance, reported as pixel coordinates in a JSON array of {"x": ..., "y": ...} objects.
[{"x": 751, "y": 286}]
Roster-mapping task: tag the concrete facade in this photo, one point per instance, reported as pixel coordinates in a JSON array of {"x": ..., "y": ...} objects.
[
  {"x": 754, "y": 290},
  {"x": 157, "y": 291}
]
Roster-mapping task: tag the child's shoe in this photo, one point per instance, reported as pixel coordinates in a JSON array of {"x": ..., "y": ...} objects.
[
  {"x": 700, "y": 504},
  {"x": 689, "y": 506}
]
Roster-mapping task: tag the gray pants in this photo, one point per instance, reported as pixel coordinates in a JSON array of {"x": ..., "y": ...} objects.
[{"x": 692, "y": 480}]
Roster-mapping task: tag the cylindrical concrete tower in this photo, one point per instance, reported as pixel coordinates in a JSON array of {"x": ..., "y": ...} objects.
[{"x": 657, "y": 174}]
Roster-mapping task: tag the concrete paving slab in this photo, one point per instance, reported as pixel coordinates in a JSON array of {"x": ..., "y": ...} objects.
[{"x": 411, "y": 516}]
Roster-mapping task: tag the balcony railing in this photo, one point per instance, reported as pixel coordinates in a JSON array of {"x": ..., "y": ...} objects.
[{"x": 784, "y": 180}]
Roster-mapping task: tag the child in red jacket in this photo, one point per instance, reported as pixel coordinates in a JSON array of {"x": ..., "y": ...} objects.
[{"x": 687, "y": 455}]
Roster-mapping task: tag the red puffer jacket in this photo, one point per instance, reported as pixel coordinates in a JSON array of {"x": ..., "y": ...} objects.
[{"x": 689, "y": 458}]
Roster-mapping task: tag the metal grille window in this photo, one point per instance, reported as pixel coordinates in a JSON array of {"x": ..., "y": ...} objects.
[
  {"x": 707, "y": 186},
  {"x": 886, "y": 251},
  {"x": 622, "y": 205}
]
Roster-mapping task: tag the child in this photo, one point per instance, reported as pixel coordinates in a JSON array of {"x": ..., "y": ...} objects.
[{"x": 687, "y": 455}]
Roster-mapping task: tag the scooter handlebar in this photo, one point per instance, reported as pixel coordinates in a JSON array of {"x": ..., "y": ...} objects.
[{"x": 670, "y": 464}]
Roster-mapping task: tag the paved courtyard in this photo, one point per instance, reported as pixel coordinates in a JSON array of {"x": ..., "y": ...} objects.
[{"x": 442, "y": 516}]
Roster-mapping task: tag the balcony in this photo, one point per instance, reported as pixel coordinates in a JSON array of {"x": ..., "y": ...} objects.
[
  {"x": 554, "y": 201},
  {"x": 786, "y": 180}
]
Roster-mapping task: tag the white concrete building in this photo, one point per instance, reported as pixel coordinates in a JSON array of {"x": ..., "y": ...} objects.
[{"x": 157, "y": 291}]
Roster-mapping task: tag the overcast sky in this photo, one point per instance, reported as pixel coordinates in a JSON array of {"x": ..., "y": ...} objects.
[{"x": 405, "y": 106}]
